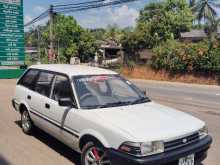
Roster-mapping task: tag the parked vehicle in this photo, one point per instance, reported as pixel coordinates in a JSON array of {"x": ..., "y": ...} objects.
[{"x": 106, "y": 118}]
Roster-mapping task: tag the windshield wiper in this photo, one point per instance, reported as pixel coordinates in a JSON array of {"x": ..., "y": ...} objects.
[
  {"x": 141, "y": 100},
  {"x": 120, "y": 103}
]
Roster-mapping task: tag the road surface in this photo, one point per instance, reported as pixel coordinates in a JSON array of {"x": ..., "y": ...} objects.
[{"x": 19, "y": 149}]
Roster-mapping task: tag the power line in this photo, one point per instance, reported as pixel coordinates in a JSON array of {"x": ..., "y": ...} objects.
[
  {"x": 46, "y": 13},
  {"x": 75, "y": 7},
  {"x": 99, "y": 5},
  {"x": 40, "y": 17},
  {"x": 77, "y": 4}
]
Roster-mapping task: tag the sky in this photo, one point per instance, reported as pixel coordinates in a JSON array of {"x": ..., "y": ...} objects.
[{"x": 123, "y": 15}]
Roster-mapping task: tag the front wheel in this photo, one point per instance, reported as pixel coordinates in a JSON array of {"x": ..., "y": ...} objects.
[
  {"x": 26, "y": 122},
  {"x": 93, "y": 154}
]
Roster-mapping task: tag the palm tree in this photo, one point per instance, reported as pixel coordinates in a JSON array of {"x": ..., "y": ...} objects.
[
  {"x": 212, "y": 28},
  {"x": 205, "y": 9},
  {"x": 192, "y": 3}
]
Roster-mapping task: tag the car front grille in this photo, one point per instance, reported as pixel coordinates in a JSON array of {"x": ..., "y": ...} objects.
[{"x": 181, "y": 142}]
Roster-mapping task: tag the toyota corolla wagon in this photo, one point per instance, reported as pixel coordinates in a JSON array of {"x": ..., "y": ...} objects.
[{"x": 106, "y": 118}]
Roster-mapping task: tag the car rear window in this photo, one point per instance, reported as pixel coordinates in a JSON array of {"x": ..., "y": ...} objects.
[
  {"x": 44, "y": 83},
  {"x": 28, "y": 80}
]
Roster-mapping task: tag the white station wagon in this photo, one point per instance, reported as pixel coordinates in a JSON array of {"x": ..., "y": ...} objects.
[{"x": 106, "y": 118}]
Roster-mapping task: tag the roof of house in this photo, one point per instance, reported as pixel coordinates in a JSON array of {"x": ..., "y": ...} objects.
[
  {"x": 197, "y": 33},
  {"x": 73, "y": 70},
  {"x": 109, "y": 44},
  {"x": 194, "y": 34}
]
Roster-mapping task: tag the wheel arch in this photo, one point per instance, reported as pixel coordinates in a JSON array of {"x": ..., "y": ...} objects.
[
  {"x": 23, "y": 106},
  {"x": 94, "y": 137}
]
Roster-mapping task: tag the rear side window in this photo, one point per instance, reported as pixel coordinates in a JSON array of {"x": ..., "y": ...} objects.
[
  {"x": 28, "y": 80},
  {"x": 44, "y": 83}
]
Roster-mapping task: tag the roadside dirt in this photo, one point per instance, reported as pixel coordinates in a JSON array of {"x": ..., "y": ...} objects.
[{"x": 143, "y": 72}]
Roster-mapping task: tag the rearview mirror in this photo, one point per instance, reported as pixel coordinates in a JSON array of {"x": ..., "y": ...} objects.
[{"x": 66, "y": 102}]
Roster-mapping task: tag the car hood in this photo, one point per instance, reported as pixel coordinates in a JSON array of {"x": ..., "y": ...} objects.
[{"x": 150, "y": 121}]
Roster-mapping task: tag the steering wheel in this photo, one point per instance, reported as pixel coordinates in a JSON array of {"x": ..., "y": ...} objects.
[{"x": 83, "y": 97}]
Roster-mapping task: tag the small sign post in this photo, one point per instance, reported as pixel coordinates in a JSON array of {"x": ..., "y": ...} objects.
[{"x": 12, "y": 51}]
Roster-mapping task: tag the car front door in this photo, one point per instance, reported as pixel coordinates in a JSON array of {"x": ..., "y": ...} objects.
[{"x": 62, "y": 89}]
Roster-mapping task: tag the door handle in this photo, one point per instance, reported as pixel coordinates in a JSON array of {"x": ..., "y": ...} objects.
[
  {"x": 29, "y": 97},
  {"x": 47, "y": 106}
]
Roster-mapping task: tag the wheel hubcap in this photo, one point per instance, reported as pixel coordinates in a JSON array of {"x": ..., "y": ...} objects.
[
  {"x": 95, "y": 156},
  {"x": 26, "y": 123}
]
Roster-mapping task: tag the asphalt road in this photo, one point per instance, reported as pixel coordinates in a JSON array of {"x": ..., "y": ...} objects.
[
  {"x": 201, "y": 101},
  {"x": 19, "y": 149},
  {"x": 195, "y": 95}
]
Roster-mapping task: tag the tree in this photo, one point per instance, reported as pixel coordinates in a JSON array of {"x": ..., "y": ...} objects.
[
  {"x": 158, "y": 22},
  {"x": 164, "y": 20},
  {"x": 87, "y": 46},
  {"x": 205, "y": 10},
  {"x": 192, "y": 3},
  {"x": 113, "y": 33},
  {"x": 71, "y": 39},
  {"x": 211, "y": 29}
]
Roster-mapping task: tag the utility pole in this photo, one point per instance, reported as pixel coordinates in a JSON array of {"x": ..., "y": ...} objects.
[
  {"x": 38, "y": 36},
  {"x": 51, "y": 51}
]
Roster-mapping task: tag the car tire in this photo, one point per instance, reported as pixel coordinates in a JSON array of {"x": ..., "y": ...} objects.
[
  {"x": 26, "y": 122},
  {"x": 94, "y": 153}
]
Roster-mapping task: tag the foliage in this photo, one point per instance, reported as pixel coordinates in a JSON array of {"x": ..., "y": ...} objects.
[
  {"x": 157, "y": 23},
  {"x": 70, "y": 39},
  {"x": 179, "y": 57},
  {"x": 192, "y": 3},
  {"x": 205, "y": 9},
  {"x": 166, "y": 20},
  {"x": 86, "y": 46},
  {"x": 113, "y": 33},
  {"x": 98, "y": 33}
]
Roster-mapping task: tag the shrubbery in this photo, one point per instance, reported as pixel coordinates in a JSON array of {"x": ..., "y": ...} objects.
[{"x": 177, "y": 57}]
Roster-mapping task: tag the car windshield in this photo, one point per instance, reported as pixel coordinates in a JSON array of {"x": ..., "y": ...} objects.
[{"x": 104, "y": 91}]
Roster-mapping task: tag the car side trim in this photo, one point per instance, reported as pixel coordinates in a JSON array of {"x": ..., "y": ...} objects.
[{"x": 55, "y": 123}]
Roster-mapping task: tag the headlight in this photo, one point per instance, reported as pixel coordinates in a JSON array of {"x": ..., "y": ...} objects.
[
  {"x": 203, "y": 132},
  {"x": 142, "y": 149}
]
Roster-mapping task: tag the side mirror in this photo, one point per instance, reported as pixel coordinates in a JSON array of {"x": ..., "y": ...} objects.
[{"x": 66, "y": 102}]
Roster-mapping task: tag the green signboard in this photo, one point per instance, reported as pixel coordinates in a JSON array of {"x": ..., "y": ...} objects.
[{"x": 11, "y": 32}]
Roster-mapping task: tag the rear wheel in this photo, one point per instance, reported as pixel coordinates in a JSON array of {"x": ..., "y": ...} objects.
[
  {"x": 94, "y": 154},
  {"x": 26, "y": 122}
]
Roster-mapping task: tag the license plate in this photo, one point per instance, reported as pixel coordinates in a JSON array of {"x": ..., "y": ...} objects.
[{"x": 189, "y": 160}]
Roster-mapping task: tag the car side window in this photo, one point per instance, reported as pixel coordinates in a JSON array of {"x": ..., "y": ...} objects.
[
  {"x": 44, "y": 83},
  {"x": 28, "y": 80},
  {"x": 62, "y": 88}
]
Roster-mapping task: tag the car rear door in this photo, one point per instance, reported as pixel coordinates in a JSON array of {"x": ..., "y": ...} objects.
[{"x": 39, "y": 100}]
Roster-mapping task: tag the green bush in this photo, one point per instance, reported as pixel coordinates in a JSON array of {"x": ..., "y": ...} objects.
[{"x": 177, "y": 57}]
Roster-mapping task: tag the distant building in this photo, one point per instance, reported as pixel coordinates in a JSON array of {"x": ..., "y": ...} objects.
[
  {"x": 196, "y": 35},
  {"x": 193, "y": 36},
  {"x": 111, "y": 51}
]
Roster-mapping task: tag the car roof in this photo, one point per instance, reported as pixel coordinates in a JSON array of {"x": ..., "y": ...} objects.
[{"x": 73, "y": 70}]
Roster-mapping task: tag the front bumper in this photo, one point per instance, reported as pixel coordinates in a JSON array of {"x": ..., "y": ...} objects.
[{"x": 167, "y": 158}]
